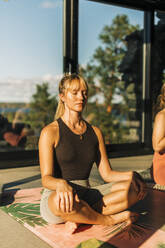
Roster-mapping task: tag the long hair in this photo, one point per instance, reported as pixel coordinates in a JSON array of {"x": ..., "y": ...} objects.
[
  {"x": 160, "y": 103},
  {"x": 68, "y": 82}
]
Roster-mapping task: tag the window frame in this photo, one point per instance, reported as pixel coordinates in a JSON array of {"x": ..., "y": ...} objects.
[
  {"x": 70, "y": 64},
  {"x": 128, "y": 149}
]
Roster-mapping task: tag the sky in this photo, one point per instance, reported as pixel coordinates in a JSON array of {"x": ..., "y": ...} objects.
[
  {"x": 31, "y": 32},
  {"x": 31, "y": 42}
]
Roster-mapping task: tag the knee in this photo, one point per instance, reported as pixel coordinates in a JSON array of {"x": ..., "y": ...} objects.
[
  {"x": 133, "y": 196},
  {"x": 52, "y": 204}
]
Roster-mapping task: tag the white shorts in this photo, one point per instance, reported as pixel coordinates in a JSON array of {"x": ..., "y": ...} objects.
[{"x": 91, "y": 195}]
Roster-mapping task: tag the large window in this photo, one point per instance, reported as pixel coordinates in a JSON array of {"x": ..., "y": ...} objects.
[
  {"x": 110, "y": 45},
  {"x": 110, "y": 58},
  {"x": 158, "y": 54},
  {"x": 31, "y": 66}
]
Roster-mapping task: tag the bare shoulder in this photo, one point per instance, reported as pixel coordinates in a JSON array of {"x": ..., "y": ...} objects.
[
  {"x": 50, "y": 129},
  {"x": 160, "y": 116},
  {"x": 50, "y": 132},
  {"x": 97, "y": 131}
]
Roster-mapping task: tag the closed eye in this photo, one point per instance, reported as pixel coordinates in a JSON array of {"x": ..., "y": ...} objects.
[
  {"x": 85, "y": 93},
  {"x": 74, "y": 92}
]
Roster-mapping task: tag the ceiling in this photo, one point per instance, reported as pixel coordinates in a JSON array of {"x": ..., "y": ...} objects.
[
  {"x": 155, "y": 4},
  {"x": 144, "y": 4}
]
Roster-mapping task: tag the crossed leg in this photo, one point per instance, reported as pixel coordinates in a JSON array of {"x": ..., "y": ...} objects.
[
  {"x": 121, "y": 197},
  {"x": 108, "y": 211}
]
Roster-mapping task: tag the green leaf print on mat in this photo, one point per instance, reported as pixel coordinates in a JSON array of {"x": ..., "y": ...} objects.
[
  {"x": 94, "y": 243},
  {"x": 161, "y": 246},
  {"x": 25, "y": 213}
]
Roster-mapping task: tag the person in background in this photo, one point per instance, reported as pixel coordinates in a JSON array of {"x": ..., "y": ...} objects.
[
  {"x": 7, "y": 133},
  {"x": 68, "y": 147},
  {"x": 18, "y": 124},
  {"x": 14, "y": 133},
  {"x": 158, "y": 139}
]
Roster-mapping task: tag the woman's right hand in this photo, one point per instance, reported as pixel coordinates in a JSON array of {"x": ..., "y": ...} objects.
[{"x": 65, "y": 196}]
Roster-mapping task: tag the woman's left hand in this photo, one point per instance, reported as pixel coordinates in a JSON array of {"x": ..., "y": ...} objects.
[{"x": 139, "y": 185}]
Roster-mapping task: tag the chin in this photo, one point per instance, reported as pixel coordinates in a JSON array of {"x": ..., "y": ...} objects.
[{"x": 79, "y": 110}]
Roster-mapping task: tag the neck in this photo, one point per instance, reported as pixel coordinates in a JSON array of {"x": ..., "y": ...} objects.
[{"x": 72, "y": 118}]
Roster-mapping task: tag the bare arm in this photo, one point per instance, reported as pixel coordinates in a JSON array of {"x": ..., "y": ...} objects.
[
  {"x": 47, "y": 142},
  {"x": 158, "y": 136},
  {"x": 104, "y": 166},
  {"x": 110, "y": 175}
]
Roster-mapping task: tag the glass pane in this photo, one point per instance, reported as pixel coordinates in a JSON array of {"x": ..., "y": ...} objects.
[
  {"x": 110, "y": 58},
  {"x": 158, "y": 56},
  {"x": 31, "y": 66}
]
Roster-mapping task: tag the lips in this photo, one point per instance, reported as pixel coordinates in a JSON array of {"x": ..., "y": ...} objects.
[{"x": 79, "y": 103}]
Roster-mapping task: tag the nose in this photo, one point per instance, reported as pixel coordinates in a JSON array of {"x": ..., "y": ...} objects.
[{"x": 80, "y": 95}]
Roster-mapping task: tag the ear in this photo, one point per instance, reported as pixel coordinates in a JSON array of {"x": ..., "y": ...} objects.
[{"x": 61, "y": 96}]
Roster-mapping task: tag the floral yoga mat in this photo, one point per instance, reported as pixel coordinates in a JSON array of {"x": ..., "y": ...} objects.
[{"x": 24, "y": 205}]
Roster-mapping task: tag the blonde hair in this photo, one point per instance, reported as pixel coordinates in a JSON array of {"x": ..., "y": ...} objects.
[
  {"x": 68, "y": 82},
  {"x": 160, "y": 103}
]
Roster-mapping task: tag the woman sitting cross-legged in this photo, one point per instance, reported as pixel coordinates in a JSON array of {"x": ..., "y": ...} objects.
[{"x": 68, "y": 147}]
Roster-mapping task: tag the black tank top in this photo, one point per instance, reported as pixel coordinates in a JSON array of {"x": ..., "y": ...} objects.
[{"x": 73, "y": 156}]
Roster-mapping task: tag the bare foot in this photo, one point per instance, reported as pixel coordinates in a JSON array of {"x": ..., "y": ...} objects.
[{"x": 71, "y": 227}]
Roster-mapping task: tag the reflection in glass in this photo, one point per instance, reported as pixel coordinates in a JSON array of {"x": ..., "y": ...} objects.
[
  {"x": 31, "y": 66},
  {"x": 110, "y": 58}
]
